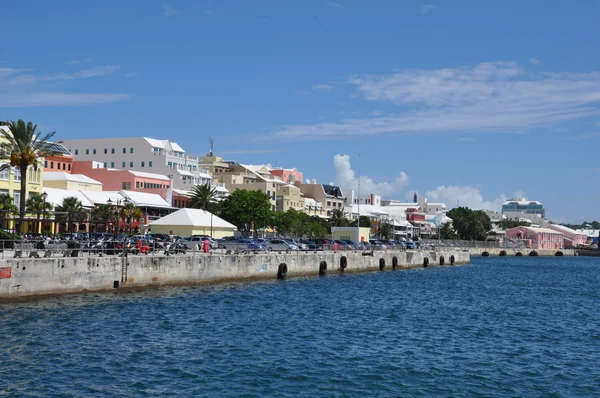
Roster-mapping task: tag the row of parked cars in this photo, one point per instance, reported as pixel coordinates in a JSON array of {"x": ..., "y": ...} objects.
[{"x": 295, "y": 244}]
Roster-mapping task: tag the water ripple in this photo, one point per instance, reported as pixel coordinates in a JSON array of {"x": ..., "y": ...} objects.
[{"x": 499, "y": 327}]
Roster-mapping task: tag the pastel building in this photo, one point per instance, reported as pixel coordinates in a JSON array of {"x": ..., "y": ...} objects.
[
  {"x": 330, "y": 197},
  {"x": 123, "y": 179},
  {"x": 291, "y": 176},
  {"x": 62, "y": 161},
  {"x": 524, "y": 206},
  {"x": 73, "y": 182},
  {"x": 572, "y": 238},
  {"x": 537, "y": 238}
]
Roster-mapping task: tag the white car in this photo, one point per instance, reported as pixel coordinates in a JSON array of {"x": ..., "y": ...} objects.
[{"x": 280, "y": 244}]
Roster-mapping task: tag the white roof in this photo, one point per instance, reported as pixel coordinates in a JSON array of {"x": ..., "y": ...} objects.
[
  {"x": 589, "y": 232},
  {"x": 144, "y": 199},
  {"x": 102, "y": 197},
  {"x": 368, "y": 210},
  {"x": 182, "y": 192},
  {"x": 185, "y": 173},
  {"x": 539, "y": 230},
  {"x": 553, "y": 226},
  {"x": 193, "y": 218},
  {"x": 56, "y": 196},
  {"x": 310, "y": 202},
  {"x": 205, "y": 175},
  {"x": 63, "y": 176},
  {"x": 145, "y": 175},
  {"x": 522, "y": 202},
  {"x": 176, "y": 147},
  {"x": 157, "y": 143}
]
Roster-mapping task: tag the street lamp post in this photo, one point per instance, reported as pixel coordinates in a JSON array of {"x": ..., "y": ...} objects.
[
  {"x": 119, "y": 201},
  {"x": 44, "y": 197}
]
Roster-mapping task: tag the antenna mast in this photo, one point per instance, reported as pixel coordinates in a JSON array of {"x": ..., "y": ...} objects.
[{"x": 212, "y": 144}]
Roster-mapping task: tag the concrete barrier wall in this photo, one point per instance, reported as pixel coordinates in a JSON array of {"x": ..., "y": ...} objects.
[
  {"x": 30, "y": 277},
  {"x": 476, "y": 251}
]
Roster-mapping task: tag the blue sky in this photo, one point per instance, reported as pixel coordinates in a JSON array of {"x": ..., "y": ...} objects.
[{"x": 468, "y": 102}]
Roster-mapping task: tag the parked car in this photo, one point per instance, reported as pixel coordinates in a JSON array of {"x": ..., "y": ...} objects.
[
  {"x": 377, "y": 245},
  {"x": 409, "y": 244},
  {"x": 300, "y": 244},
  {"x": 235, "y": 244},
  {"x": 281, "y": 244},
  {"x": 257, "y": 247},
  {"x": 323, "y": 244}
]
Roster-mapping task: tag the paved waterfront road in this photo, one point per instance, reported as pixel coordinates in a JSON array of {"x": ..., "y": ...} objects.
[{"x": 502, "y": 326}]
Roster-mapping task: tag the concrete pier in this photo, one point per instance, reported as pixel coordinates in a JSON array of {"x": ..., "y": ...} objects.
[
  {"x": 494, "y": 252},
  {"x": 47, "y": 276}
]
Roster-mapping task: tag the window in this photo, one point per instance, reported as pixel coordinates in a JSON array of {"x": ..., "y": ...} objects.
[
  {"x": 4, "y": 174},
  {"x": 143, "y": 163},
  {"x": 87, "y": 151},
  {"x": 94, "y": 151},
  {"x": 69, "y": 167},
  {"x": 112, "y": 165},
  {"x": 130, "y": 150},
  {"x": 112, "y": 150},
  {"x": 17, "y": 198},
  {"x": 137, "y": 184},
  {"x": 46, "y": 164},
  {"x": 126, "y": 185},
  {"x": 123, "y": 164},
  {"x": 149, "y": 163},
  {"x": 130, "y": 164},
  {"x": 64, "y": 166},
  {"x": 124, "y": 150},
  {"x": 105, "y": 165},
  {"x": 76, "y": 151}
]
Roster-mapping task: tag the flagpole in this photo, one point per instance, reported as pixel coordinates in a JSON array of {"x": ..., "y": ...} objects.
[{"x": 358, "y": 197}]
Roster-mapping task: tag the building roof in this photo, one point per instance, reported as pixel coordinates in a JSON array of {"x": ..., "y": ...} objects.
[
  {"x": 333, "y": 190},
  {"x": 145, "y": 199},
  {"x": 368, "y": 210},
  {"x": 164, "y": 144},
  {"x": 60, "y": 149},
  {"x": 63, "y": 176},
  {"x": 185, "y": 173},
  {"x": 310, "y": 203},
  {"x": 522, "y": 202},
  {"x": 102, "y": 197},
  {"x": 193, "y": 218},
  {"x": 555, "y": 226},
  {"x": 147, "y": 175},
  {"x": 538, "y": 230},
  {"x": 56, "y": 196}
]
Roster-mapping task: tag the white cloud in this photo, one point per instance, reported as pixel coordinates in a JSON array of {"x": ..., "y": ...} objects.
[
  {"x": 535, "y": 61},
  {"x": 585, "y": 136},
  {"x": 169, "y": 11},
  {"x": 334, "y": 4},
  {"x": 426, "y": 9},
  {"x": 346, "y": 178},
  {"x": 490, "y": 97},
  {"x": 463, "y": 196},
  {"x": 20, "y": 88},
  {"x": 324, "y": 87}
]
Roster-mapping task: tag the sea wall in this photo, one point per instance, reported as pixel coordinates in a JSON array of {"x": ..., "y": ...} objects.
[
  {"x": 493, "y": 252},
  {"x": 45, "y": 276}
]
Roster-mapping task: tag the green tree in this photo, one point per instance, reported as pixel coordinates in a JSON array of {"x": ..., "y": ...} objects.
[
  {"x": 23, "y": 147},
  {"x": 204, "y": 197},
  {"x": 508, "y": 224},
  {"x": 385, "y": 230},
  {"x": 129, "y": 213},
  {"x": 338, "y": 219},
  {"x": 315, "y": 230},
  {"x": 470, "y": 224},
  {"x": 7, "y": 208},
  {"x": 37, "y": 206},
  {"x": 102, "y": 214},
  {"x": 70, "y": 210},
  {"x": 447, "y": 232},
  {"x": 247, "y": 210},
  {"x": 415, "y": 198},
  {"x": 365, "y": 222}
]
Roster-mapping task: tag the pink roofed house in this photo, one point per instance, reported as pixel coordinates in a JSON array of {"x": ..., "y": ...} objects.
[
  {"x": 572, "y": 238},
  {"x": 537, "y": 238}
]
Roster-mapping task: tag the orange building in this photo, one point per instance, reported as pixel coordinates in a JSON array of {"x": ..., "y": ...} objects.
[
  {"x": 117, "y": 179},
  {"x": 291, "y": 176},
  {"x": 62, "y": 161}
]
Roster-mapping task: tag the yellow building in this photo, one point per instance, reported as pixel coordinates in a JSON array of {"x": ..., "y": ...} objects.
[
  {"x": 71, "y": 182},
  {"x": 289, "y": 197},
  {"x": 10, "y": 183}
]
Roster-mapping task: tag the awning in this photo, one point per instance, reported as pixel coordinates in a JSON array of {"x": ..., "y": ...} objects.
[{"x": 185, "y": 173}]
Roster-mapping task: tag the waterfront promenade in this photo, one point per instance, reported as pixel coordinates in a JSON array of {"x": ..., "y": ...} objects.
[{"x": 22, "y": 277}]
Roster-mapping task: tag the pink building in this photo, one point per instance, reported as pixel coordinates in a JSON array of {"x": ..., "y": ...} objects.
[
  {"x": 288, "y": 175},
  {"x": 572, "y": 238},
  {"x": 537, "y": 238},
  {"x": 117, "y": 179}
]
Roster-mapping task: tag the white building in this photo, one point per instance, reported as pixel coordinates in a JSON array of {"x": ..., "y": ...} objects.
[
  {"x": 433, "y": 208},
  {"x": 368, "y": 199},
  {"x": 142, "y": 154}
]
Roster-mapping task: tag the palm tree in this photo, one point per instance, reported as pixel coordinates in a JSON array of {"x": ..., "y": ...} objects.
[
  {"x": 22, "y": 148},
  {"x": 102, "y": 214},
  {"x": 37, "y": 206},
  {"x": 7, "y": 207},
  {"x": 203, "y": 197},
  {"x": 70, "y": 210},
  {"x": 131, "y": 212},
  {"x": 338, "y": 219}
]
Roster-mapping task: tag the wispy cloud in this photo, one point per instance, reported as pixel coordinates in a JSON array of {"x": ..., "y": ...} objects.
[
  {"x": 426, "y": 9},
  {"x": 535, "y": 61},
  {"x": 323, "y": 87},
  {"x": 580, "y": 137},
  {"x": 334, "y": 4},
  {"x": 169, "y": 11},
  {"x": 23, "y": 88},
  {"x": 489, "y": 97}
]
